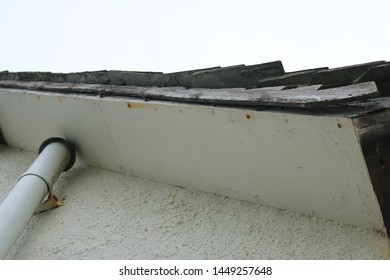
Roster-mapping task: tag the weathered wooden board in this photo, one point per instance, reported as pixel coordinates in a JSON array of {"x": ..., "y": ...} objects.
[
  {"x": 342, "y": 76},
  {"x": 381, "y": 75},
  {"x": 300, "y": 97},
  {"x": 235, "y": 76},
  {"x": 290, "y": 79}
]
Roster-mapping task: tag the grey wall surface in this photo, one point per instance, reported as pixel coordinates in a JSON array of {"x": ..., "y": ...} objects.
[{"x": 114, "y": 216}]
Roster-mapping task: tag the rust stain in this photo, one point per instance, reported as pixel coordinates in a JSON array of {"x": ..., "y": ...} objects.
[
  {"x": 132, "y": 105},
  {"x": 249, "y": 116},
  {"x": 55, "y": 199}
]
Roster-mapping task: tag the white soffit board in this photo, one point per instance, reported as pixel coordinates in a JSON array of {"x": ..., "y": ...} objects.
[
  {"x": 28, "y": 119},
  {"x": 308, "y": 164}
]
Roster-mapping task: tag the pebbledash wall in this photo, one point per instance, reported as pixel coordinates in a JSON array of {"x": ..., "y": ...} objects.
[{"x": 110, "y": 215}]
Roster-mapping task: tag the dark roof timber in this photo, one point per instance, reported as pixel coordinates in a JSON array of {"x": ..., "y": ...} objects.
[
  {"x": 235, "y": 76},
  {"x": 380, "y": 74},
  {"x": 342, "y": 76},
  {"x": 216, "y": 77},
  {"x": 291, "y": 79}
]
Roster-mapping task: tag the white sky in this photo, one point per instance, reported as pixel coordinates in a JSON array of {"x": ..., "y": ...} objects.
[{"x": 172, "y": 35}]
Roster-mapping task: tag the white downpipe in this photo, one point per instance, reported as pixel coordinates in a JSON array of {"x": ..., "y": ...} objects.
[{"x": 56, "y": 155}]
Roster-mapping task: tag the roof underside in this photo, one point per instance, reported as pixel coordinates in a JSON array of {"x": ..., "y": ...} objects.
[{"x": 264, "y": 84}]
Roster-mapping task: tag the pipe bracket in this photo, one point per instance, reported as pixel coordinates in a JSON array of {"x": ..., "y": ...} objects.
[
  {"x": 51, "y": 203},
  {"x": 40, "y": 177}
]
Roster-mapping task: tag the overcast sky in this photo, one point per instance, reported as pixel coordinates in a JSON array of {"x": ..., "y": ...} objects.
[{"x": 172, "y": 35}]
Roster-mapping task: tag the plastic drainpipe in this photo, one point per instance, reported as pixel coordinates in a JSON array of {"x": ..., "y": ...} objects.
[{"x": 55, "y": 156}]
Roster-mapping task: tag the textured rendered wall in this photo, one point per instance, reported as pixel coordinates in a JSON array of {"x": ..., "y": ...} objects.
[{"x": 113, "y": 216}]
